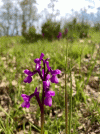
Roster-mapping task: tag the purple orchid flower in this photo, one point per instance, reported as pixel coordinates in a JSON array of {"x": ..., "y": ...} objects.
[
  {"x": 48, "y": 99},
  {"x": 54, "y": 78},
  {"x": 46, "y": 78},
  {"x": 29, "y": 73},
  {"x": 27, "y": 98},
  {"x": 38, "y": 61},
  {"x": 46, "y": 93},
  {"x": 59, "y": 35},
  {"x": 46, "y": 83},
  {"x": 38, "y": 67}
]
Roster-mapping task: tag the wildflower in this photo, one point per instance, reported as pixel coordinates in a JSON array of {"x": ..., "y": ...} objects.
[
  {"x": 38, "y": 67},
  {"x": 29, "y": 73},
  {"x": 46, "y": 83},
  {"x": 54, "y": 78},
  {"x": 46, "y": 78},
  {"x": 59, "y": 35},
  {"x": 48, "y": 99},
  {"x": 27, "y": 98},
  {"x": 38, "y": 61}
]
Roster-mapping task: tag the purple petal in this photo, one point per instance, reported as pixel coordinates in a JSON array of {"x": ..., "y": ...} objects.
[
  {"x": 48, "y": 77},
  {"x": 50, "y": 93},
  {"x": 41, "y": 56},
  {"x": 46, "y": 84},
  {"x": 48, "y": 101},
  {"x": 28, "y": 79},
  {"x": 35, "y": 90},
  {"x": 38, "y": 67},
  {"x": 28, "y": 72},
  {"x": 54, "y": 79},
  {"x": 37, "y": 60},
  {"x": 55, "y": 72},
  {"x": 25, "y": 104},
  {"x": 25, "y": 97}
]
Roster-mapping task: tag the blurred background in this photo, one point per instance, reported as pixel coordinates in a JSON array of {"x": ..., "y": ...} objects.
[{"x": 13, "y": 13}]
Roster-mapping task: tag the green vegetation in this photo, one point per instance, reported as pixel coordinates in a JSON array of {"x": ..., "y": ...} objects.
[{"x": 16, "y": 55}]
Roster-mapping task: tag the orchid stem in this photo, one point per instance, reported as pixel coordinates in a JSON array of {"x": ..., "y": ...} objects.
[
  {"x": 42, "y": 120},
  {"x": 42, "y": 108}
]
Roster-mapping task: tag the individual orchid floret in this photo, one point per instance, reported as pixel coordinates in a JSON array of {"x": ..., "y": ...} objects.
[
  {"x": 48, "y": 99},
  {"x": 47, "y": 77},
  {"x": 27, "y": 98},
  {"x": 55, "y": 72},
  {"x": 46, "y": 84},
  {"x": 38, "y": 61},
  {"x": 54, "y": 78},
  {"x": 29, "y": 77},
  {"x": 28, "y": 72}
]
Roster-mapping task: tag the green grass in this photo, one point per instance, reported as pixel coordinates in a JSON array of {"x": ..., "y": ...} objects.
[{"x": 20, "y": 56}]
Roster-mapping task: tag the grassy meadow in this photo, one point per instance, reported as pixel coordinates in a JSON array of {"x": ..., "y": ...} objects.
[{"x": 83, "y": 67}]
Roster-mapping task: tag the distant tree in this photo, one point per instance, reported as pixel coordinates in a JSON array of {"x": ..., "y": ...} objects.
[
  {"x": 28, "y": 14},
  {"x": 2, "y": 29},
  {"x": 98, "y": 15},
  {"x": 45, "y": 14},
  {"x": 6, "y": 15},
  {"x": 31, "y": 11},
  {"x": 52, "y": 5},
  {"x": 16, "y": 19},
  {"x": 24, "y": 13}
]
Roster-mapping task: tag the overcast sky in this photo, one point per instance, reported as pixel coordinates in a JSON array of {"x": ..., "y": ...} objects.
[{"x": 65, "y": 6}]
